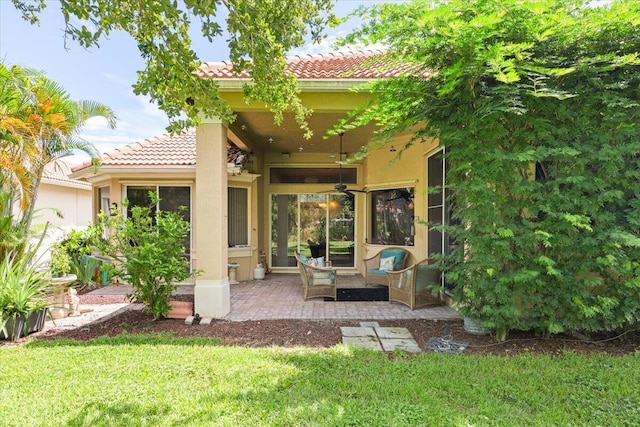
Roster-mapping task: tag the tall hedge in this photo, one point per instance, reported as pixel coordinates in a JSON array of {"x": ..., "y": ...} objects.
[{"x": 537, "y": 104}]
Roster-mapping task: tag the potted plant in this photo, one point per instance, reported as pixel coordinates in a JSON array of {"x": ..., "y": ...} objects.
[
  {"x": 23, "y": 293},
  {"x": 85, "y": 269}
]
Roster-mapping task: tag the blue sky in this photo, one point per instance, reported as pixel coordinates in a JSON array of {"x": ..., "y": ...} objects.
[{"x": 106, "y": 74}]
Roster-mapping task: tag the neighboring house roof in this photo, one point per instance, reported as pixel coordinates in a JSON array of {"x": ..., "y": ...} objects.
[
  {"x": 166, "y": 150},
  {"x": 365, "y": 65},
  {"x": 56, "y": 173}
]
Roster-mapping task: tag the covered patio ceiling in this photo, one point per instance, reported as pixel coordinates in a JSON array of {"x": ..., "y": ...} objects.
[
  {"x": 329, "y": 101},
  {"x": 330, "y": 85},
  {"x": 258, "y": 131}
]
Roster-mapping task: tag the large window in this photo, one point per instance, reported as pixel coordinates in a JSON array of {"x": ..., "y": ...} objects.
[
  {"x": 238, "y": 224},
  {"x": 392, "y": 215},
  {"x": 439, "y": 209},
  {"x": 172, "y": 198}
]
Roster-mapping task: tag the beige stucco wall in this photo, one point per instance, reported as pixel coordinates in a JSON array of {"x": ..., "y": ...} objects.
[
  {"x": 72, "y": 201},
  {"x": 247, "y": 258},
  {"x": 377, "y": 171},
  {"x": 383, "y": 169}
]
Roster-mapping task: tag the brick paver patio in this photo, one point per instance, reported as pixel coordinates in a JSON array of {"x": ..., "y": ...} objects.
[{"x": 279, "y": 296}]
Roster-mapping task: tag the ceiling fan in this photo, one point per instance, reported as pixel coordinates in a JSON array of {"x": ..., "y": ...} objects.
[{"x": 340, "y": 186}]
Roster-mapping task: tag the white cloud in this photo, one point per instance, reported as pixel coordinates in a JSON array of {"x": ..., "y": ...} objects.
[
  {"x": 116, "y": 79},
  {"x": 95, "y": 124},
  {"x": 137, "y": 120},
  {"x": 148, "y": 107}
]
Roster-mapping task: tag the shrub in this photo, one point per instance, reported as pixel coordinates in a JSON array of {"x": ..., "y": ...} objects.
[
  {"x": 536, "y": 107},
  {"x": 60, "y": 263},
  {"x": 77, "y": 243},
  {"x": 149, "y": 245},
  {"x": 85, "y": 270}
]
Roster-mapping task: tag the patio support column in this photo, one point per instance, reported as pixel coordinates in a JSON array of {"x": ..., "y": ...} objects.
[{"x": 212, "y": 297}]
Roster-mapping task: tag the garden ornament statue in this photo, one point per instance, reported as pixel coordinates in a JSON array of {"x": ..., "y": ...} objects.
[{"x": 74, "y": 303}]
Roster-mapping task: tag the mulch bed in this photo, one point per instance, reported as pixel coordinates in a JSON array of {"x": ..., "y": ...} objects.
[
  {"x": 326, "y": 333},
  {"x": 323, "y": 334}
]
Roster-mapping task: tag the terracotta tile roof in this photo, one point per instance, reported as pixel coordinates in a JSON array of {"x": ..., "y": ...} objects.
[
  {"x": 57, "y": 173},
  {"x": 179, "y": 149},
  {"x": 166, "y": 150},
  {"x": 365, "y": 65}
]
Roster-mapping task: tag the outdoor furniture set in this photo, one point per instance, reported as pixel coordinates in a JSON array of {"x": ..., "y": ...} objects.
[
  {"x": 318, "y": 277},
  {"x": 413, "y": 286}
]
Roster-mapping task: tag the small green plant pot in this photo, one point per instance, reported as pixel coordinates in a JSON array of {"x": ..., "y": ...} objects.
[
  {"x": 36, "y": 320},
  {"x": 13, "y": 329},
  {"x": 474, "y": 327}
]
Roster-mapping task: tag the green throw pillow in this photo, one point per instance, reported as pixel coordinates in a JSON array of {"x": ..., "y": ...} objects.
[{"x": 386, "y": 264}]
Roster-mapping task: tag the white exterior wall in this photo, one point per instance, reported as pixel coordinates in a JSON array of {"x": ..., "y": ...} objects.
[{"x": 73, "y": 201}]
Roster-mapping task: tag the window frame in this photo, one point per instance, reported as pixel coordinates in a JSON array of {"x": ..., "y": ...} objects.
[
  {"x": 246, "y": 213},
  {"x": 407, "y": 229},
  {"x": 151, "y": 186},
  {"x": 445, "y": 241}
]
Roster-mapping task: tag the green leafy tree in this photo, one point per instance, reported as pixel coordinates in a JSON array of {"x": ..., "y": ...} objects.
[
  {"x": 260, "y": 34},
  {"x": 536, "y": 103},
  {"x": 17, "y": 129},
  {"x": 39, "y": 125},
  {"x": 148, "y": 245}
]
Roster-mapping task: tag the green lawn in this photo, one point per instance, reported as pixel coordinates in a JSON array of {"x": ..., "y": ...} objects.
[{"x": 162, "y": 381}]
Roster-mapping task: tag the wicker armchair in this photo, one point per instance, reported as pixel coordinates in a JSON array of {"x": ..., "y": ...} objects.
[
  {"x": 373, "y": 275},
  {"x": 416, "y": 286},
  {"x": 316, "y": 281}
]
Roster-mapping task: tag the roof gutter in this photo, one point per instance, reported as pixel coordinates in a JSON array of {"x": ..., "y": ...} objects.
[{"x": 307, "y": 85}]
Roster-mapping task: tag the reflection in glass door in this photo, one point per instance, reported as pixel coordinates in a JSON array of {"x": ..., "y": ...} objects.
[
  {"x": 284, "y": 220},
  {"x": 299, "y": 221},
  {"x": 341, "y": 230}
]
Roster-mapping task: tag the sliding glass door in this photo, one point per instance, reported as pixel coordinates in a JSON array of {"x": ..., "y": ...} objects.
[{"x": 318, "y": 225}]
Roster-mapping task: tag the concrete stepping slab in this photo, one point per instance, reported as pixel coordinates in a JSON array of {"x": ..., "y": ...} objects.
[
  {"x": 372, "y": 336},
  {"x": 370, "y": 343},
  {"x": 408, "y": 345},
  {"x": 397, "y": 333},
  {"x": 358, "y": 331}
]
